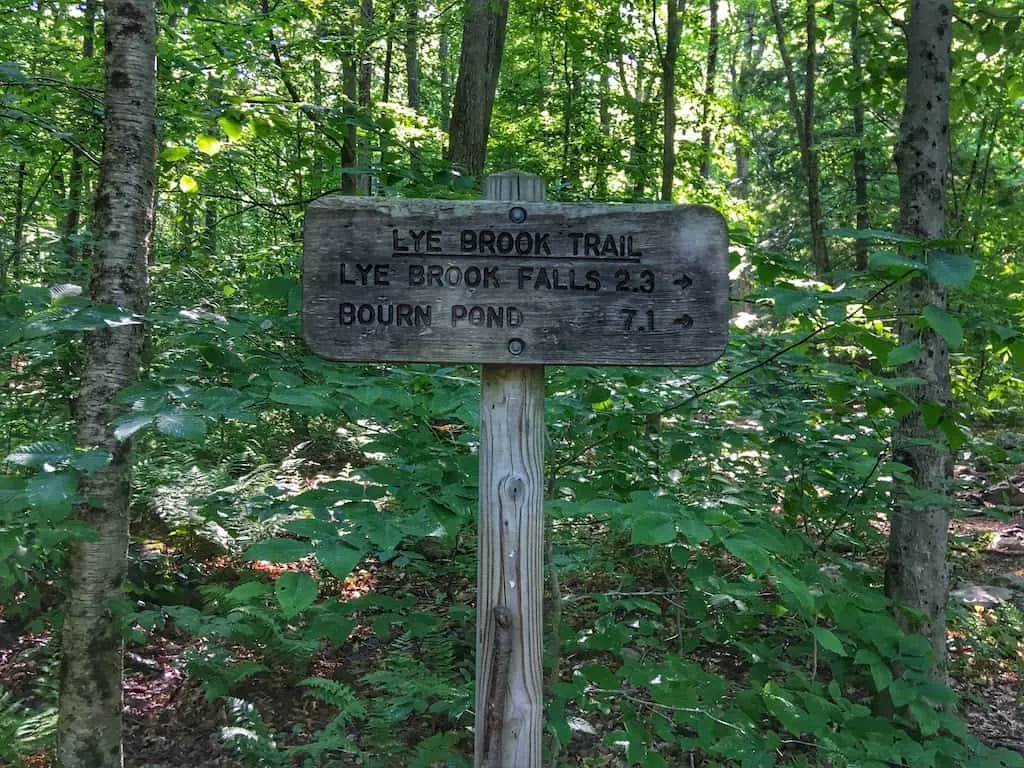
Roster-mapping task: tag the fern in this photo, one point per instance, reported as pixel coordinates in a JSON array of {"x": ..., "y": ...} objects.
[
  {"x": 333, "y": 737},
  {"x": 11, "y": 718},
  {"x": 338, "y": 695},
  {"x": 217, "y": 673},
  {"x": 23, "y": 731},
  {"x": 249, "y": 737}
]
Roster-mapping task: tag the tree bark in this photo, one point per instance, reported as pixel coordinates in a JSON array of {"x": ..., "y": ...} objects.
[
  {"x": 573, "y": 90},
  {"x": 709, "y": 90},
  {"x": 917, "y": 572},
  {"x": 673, "y": 34},
  {"x": 349, "y": 147},
  {"x": 365, "y": 53},
  {"x": 803, "y": 118},
  {"x": 73, "y": 217},
  {"x": 483, "y": 42},
  {"x": 741, "y": 86},
  {"x": 860, "y": 166},
  {"x": 446, "y": 79},
  {"x": 89, "y": 726},
  {"x": 389, "y": 54},
  {"x": 210, "y": 227},
  {"x": 605, "y": 117},
  {"x": 412, "y": 53},
  {"x": 18, "y": 235}
]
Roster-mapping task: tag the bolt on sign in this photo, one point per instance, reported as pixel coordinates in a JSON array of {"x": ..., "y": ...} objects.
[{"x": 457, "y": 281}]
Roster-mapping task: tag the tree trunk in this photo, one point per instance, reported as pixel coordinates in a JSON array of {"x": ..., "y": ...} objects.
[
  {"x": 389, "y": 54},
  {"x": 709, "y": 90},
  {"x": 860, "y": 166},
  {"x": 803, "y": 118},
  {"x": 365, "y": 52},
  {"x": 483, "y": 42},
  {"x": 573, "y": 90},
  {"x": 18, "y": 235},
  {"x": 210, "y": 227},
  {"x": 446, "y": 79},
  {"x": 73, "y": 217},
  {"x": 89, "y": 726},
  {"x": 412, "y": 53},
  {"x": 917, "y": 572},
  {"x": 363, "y": 159},
  {"x": 605, "y": 116},
  {"x": 668, "y": 93},
  {"x": 741, "y": 85},
  {"x": 349, "y": 148}
]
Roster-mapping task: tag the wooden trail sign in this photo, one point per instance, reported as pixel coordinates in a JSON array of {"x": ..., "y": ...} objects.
[
  {"x": 453, "y": 281},
  {"x": 513, "y": 283}
]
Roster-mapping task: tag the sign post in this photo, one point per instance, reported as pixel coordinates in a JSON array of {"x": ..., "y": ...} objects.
[
  {"x": 513, "y": 283},
  {"x": 510, "y": 552}
]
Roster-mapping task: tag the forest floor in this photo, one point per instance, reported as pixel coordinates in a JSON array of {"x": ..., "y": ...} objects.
[{"x": 170, "y": 724}]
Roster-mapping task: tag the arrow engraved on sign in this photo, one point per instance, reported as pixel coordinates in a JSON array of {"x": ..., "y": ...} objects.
[
  {"x": 683, "y": 282},
  {"x": 686, "y": 321}
]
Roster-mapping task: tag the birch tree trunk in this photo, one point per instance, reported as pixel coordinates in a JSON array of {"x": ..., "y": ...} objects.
[
  {"x": 483, "y": 43},
  {"x": 89, "y": 728},
  {"x": 917, "y": 572}
]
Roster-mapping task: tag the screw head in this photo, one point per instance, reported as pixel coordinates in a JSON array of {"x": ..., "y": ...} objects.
[
  {"x": 516, "y": 346},
  {"x": 517, "y": 215}
]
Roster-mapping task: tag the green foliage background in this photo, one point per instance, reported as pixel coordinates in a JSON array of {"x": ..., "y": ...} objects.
[{"x": 715, "y": 531}]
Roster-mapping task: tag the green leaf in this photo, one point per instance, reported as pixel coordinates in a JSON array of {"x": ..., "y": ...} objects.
[
  {"x": 246, "y": 593},
  {"x": 1017, "y": 353},
  {"x": 925, "y": 715},
  {"x": 232, "y": 128},
  {"x": 882, "y": 676},
  {"x": 338, "y": 558},
  {"x": 600, "y": 675},
  {"x": 278, "y": 550},
  {"x": 944, "y": 324},
  {"x": 653, "y": 528},
  {"x": 181, "y": 424},
  {"x": 38, "y": 454},
  {"x": 749, "y": 550},
  {"x": 126, "y": 426},
  {"x": 905, "y": 354},
  {"x": 953, "y": 270},
  {"x": 795, "y": 587},
  {"x": 299, "y": 397},
  {"x": 827, "y": 639},
  {"x": 53, "y": 492},
  {"x": 90, "y": 461},
  {"x": 188, "y": 185},
  {"x": 693, "y": 528},
  {"x": 884, "y": 259},
  {"x": 295, "y": 592},
  {"x": 790, "y": 300},
  {"x": 208, "y": 145},
  {"x": 332, "y": 627},
  {"x": 871, "y": 234},
  {"x": 261, "y": 127},
  {"x": 901, "y": 693},
  {"x": 174, "y": 154}
]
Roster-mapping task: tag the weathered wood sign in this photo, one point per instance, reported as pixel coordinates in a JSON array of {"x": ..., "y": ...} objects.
[{"x": 514, "y": 282}]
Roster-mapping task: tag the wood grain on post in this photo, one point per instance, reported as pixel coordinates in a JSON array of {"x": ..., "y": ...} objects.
[{"x": 510, "y": 571}]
